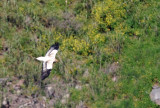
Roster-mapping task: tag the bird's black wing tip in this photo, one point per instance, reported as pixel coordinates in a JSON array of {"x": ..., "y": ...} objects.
[{"x": 55, "y": 46}]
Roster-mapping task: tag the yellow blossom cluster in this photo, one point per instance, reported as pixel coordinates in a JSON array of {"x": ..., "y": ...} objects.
[
  {"x": 95, "y": 37},
  {"x": 77, "y": 45},
  {"x": 108, "y": 12}
]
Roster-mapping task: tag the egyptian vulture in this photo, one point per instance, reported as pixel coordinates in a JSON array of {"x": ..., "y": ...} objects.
[{"x": 48, "y": 60}]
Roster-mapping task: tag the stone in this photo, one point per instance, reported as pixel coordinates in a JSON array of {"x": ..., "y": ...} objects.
[
  {"x": 9, "y": 83},
  {"x": 63, "y": 101},
  {"x": 155, "y": 95},
  {"x": 16, "y": 87},
  {"x": 19, "y": 92},
  {"x": 114, "y": 78},
  {"x": 27, "y": 20},
  {"x": 81, "y": 105},
  {"x": 3, "y": 80},
  {"x": 78, "y": 87},
  {"x": 20, "y": 82},
  {"x": 49, "y": 91},
  {"x": 65, "y": 98},
  {"x": 86, "y": 74},
  {"x": 5, "y": 103},
  {"x": 44, "y": 98},
  {"x": 113, "y": 67}
]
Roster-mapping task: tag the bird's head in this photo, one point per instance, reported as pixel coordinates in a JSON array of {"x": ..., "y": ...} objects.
[{"x": 55, "y": 61}]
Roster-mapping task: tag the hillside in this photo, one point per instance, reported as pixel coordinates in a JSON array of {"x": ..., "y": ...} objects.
[{"x": 109, "y": 54}]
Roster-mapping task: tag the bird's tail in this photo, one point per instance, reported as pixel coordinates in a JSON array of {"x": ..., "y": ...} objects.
[{"x": 42, "y": 59}]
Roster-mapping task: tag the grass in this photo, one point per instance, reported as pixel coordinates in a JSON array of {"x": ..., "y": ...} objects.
[{"x": 92, "y": 35}]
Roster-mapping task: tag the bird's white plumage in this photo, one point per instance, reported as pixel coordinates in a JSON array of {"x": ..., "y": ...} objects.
[
  {"x": 49, "y": 64},
  {"x": 53, "y": 54},
  {"x": 48, "y": 60},
  {"x": 44, "y": 59}
]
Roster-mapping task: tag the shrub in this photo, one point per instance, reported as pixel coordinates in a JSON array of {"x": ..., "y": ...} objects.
[
  {"x": 79, "y": 46},
  {"x": 108, "y": 14}
]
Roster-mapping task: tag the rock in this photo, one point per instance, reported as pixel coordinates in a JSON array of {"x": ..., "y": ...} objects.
[
  {"x": 27, "y": 20},
  {"x": 9, "y": 83},
  {"x": 81, "y": 105},
  {"x": 78, "y": 87},
  {"x": 65, "y": 98},
  {"x": 114, "y": 78},
  {"x": 3, "y": 81},
  {"x": 20, "y": 82},
  {"x": 5, "y": 103},
  {"x": 113, "y": 67},
  {"x": 49, "y": 91},
  {"x": 38, "y": 104},
  {"x": 56, "y": 91},
  {"x": 155, "y": 95},
  {"x": 44, "y": 98},
  {"x": 86, "y": 74},
  {"x": 16, "y": 87},
  {"x": 28, "y": 104},
  {"x": 63, "y": 101},
  {"x": 19, "y": 92}
]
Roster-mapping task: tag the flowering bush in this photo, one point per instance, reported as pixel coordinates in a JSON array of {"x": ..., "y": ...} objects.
[
  {"x": 108, "y": 14},
  {"x": 79, "y": 46}
]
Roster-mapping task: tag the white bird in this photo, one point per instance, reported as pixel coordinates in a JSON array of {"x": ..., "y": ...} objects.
[{"x": 48, "y": 60}]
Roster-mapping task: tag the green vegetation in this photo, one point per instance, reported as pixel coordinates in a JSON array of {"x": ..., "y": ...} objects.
[{"x": 93, "y": 34}]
